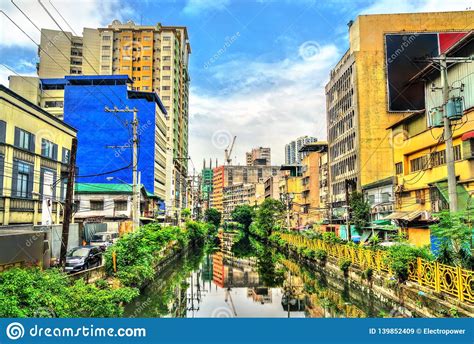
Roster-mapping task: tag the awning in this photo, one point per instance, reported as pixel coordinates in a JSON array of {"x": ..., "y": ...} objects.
[
  {"x": 461, "y": 192},
  {"x": 404, "y": 215},
  {"x": 382, "y": 222}
]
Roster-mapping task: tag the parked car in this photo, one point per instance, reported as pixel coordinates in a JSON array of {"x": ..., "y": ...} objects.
[
  {"x": 104, "y": 239},
  {"x": 83, "y": 258}
]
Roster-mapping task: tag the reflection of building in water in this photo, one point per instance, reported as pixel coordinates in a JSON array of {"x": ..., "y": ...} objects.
[
  {"x": 218, "y": 269},
  {"x": 322, "y": 302},
  {"x": 207, "y": 268},
  {"x": 293, "y": 299},
  {"x": 260, "y": 294}
]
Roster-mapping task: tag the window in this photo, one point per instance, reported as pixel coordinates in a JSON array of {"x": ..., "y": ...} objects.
[
  {"x": 166, "y": 77},
  {"x": 3, "y": 131},
  {"x": 165, "y": 98},
  {"x": 165, "y": 88},
  {"x": 126, "y": 58},
  {"x": 166, "y": 68},
  {"x": 66, "y": 155},
  {"x": 398, "y": 168},
  {"x": 167, "y": 47},
  {"x": 457, "y": 152},
  {"x": 120, "y": 205},
  {"x": 23, "y": 179},
  {"x": 106, "y": 47},
  {"x": 97, "y": 205},
  {"x": 438, "y": 158},
  {"x": 146, "y": 77},
  {"x": 146, "y": 88},
  {"x": 146, "y": 58},
  {"x": 166, "y": 58},
  {"x": 23, "y": 139},
  {"x": 54, "y": 103},
  {"x": 166, "y": 38},
  {"x": 48, "y": 149},
  {"x": 105, "y": 57},
  {"x": 146, "y": 67},
  {"x": 385, "y": 197},
  {"x": 106, "y": 38},
  {"x": 147, "y": 48},
  {"x": 125, "y": 67},
  {"x": 419, "y": 163},
  {"x": 146, "y": 38}
]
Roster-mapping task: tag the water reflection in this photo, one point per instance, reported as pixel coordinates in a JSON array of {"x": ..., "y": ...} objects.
[{"x": 245, "y": 278}]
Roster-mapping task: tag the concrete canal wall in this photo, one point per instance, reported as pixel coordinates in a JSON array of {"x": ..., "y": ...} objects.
[{"x": 406, "y": 299}]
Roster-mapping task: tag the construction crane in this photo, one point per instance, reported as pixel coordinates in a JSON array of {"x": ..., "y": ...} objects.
[{"x": 228, "y": 151}]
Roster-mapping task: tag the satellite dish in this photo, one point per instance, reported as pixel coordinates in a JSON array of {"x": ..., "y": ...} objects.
[{"x": 116, "y": 22}]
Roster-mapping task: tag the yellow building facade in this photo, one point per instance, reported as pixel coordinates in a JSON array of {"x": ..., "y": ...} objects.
[
  {"x": 356, "y": 96},
  {"x": 419, "y": 151},
  {"x": 34, "y": 156}
]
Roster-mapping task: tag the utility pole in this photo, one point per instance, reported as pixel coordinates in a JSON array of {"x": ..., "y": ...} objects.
[
  {"x": 68, "y": 203},
  {"x": 448, "y": 137},
  {"x": 348, "y": 208},
  {"x": 443, "y": 61},
  {"x": 135, "y": 186}
]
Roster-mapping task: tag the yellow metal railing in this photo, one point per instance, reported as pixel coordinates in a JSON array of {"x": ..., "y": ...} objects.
[{"x": 441, "y": 278}]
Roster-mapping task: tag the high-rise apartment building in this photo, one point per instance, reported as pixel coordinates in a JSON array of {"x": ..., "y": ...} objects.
[
  {"x": 230, "y": 175},
  {"x": 361, "y": 103},
  {"x": 155, "y": 57},
  {"x": 293, "y": 156},
  {"x": 62, "y": 54},
  {"x": 260, "y": 156}
]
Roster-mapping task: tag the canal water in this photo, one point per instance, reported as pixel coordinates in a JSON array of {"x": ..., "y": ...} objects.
[{"x": 239, "y": 277}]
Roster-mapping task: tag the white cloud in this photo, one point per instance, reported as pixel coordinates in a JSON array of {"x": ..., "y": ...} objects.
[
  {"x": 194, "y": 7},
  {"x": 90, "y": 13},
  {"x": 262, "y": 103},
  {"x": 406, "y": 6}
]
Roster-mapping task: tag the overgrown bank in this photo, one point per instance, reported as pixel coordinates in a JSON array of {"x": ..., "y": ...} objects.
[{"x": 31, "y": 292}]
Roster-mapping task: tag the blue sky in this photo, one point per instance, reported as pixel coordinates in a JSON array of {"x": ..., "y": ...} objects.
[{"x": 258, "y": 68}]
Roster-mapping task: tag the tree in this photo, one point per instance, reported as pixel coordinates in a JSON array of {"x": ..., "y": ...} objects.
[
  {"x": 360, "y": 210},
  {"x": 186, "y": 213},
  {"x": 213, "y": 216},
  {"x": 269, "y": 215},
  {"x": 455, "y": 234},
  {"x": 244, "y": 215}
]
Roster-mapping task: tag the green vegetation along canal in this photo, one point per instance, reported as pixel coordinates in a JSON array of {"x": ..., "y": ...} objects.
[{"x": 242, "y": 278}]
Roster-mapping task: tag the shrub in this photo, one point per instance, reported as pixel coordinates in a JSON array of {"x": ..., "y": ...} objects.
[
  {"x": 320, "y": 255},
  {"x": 368, "y": 273},
  {"x": 331, "y": 238},
  {"x": 344, "y": 264},
  {"x": 35, "y": 293},
  {"x": 399, "y": 257}
]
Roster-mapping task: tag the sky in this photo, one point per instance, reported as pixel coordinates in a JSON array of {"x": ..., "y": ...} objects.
[{"x": 258, "y": 68}]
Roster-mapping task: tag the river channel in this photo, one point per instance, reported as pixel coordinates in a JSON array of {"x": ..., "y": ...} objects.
[{"x": 240, "y": 277}]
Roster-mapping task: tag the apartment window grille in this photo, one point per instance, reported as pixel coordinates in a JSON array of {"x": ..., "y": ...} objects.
[
  {"x": 23, "y": 179},
  {"x": 120, "y": 205},
  {"x": 399, "y": 168},
  {"x": 97, "y": 205}
]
